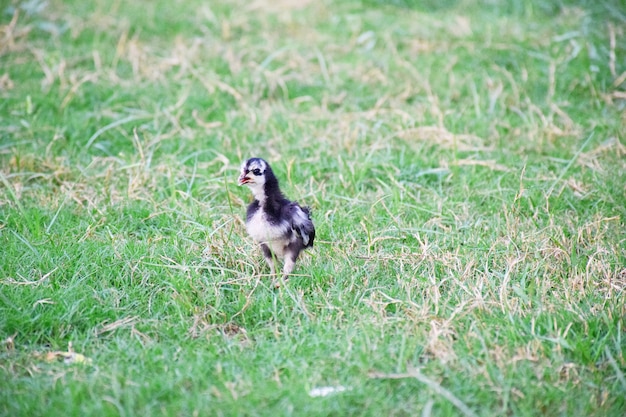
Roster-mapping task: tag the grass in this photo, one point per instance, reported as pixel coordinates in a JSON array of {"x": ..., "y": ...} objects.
[{"x": 465, "y": 161}]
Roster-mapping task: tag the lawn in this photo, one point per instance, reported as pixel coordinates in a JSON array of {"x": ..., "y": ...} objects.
[{"x": 465, "y": 161}]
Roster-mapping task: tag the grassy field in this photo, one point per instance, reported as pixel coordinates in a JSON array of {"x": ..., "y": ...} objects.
[{"x": 465, "y": 162}]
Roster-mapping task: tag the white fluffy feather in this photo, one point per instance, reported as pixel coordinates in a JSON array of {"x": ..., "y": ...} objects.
[{"x": 264, "y": 232}]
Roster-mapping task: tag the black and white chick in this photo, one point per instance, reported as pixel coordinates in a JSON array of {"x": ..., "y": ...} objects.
[{"x": 283, "y": 228}]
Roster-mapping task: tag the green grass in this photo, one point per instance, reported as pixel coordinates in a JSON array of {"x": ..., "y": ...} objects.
[{"x": 465, "y": 161}]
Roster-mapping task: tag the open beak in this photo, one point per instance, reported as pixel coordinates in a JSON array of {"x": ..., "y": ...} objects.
[{"x": 243, "y": 179}]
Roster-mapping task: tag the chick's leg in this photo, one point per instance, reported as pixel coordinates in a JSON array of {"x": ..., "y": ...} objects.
[
  {"x": 269, "y": 258},
  {"x": 290, "y": 262},
  {"x": 288, "y": 267}
]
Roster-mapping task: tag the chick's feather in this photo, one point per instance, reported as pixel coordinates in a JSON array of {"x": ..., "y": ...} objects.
[{"x": 300, "y": 222}]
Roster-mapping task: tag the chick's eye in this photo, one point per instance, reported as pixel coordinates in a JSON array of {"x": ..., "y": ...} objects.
[{"x": 256, "y": 171}]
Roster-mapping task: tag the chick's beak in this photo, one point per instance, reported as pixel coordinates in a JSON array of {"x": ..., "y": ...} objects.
[{"x": 243, "y": 179}]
